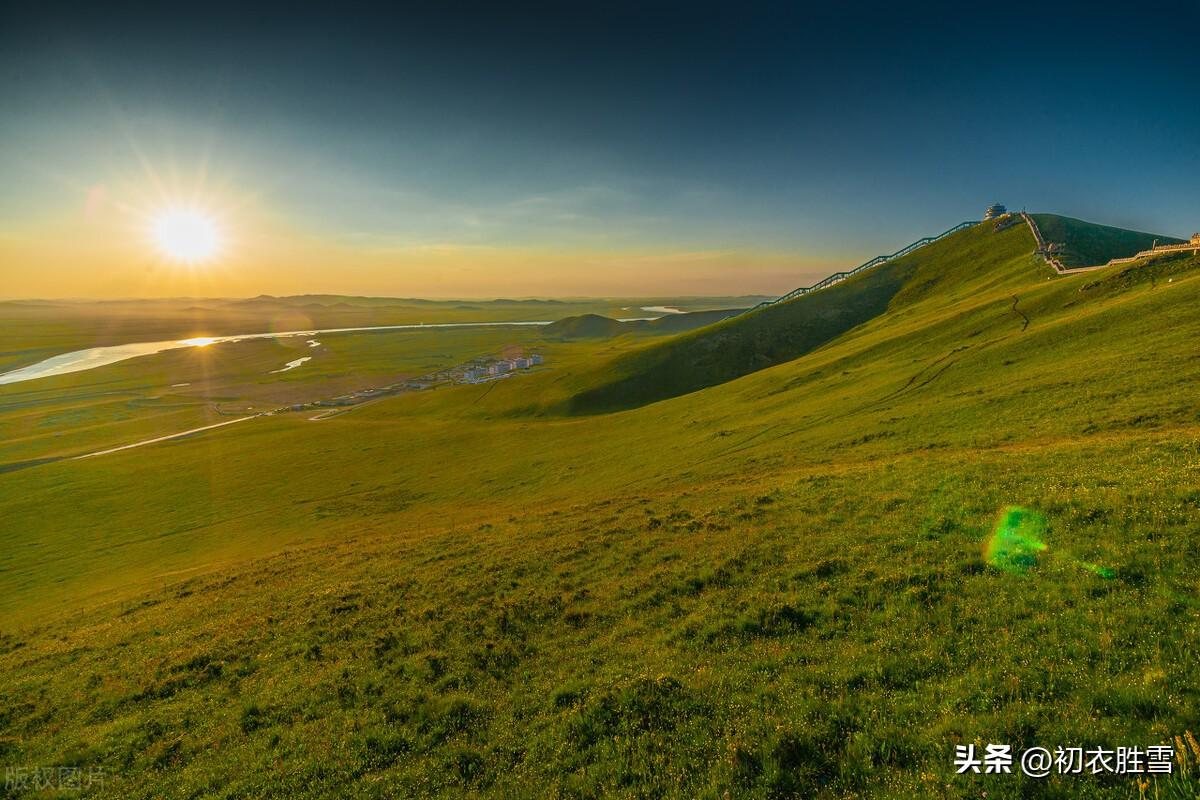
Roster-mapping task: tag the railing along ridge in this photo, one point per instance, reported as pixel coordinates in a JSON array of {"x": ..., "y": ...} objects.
[
  {"x": 838, "y": 277},
  {"x": 1058, "y": 266}
]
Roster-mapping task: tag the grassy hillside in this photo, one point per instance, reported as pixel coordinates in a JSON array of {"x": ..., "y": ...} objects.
[
  {"x": 1088, "y": 244},
  {"x": 779, "y": 586}
]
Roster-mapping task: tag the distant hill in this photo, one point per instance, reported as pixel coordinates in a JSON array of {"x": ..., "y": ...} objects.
[
  {"x": 595, "y": 326},
  {"x": 678, "y": 323},
  {"x": 358, "y": 301},
  {"x": 584, "y": 326},
  {"x": 317, "y": 301},
  {"x": 527, "y": 301}
]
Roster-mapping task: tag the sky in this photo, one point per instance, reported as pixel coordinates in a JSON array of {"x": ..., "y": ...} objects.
[{"x": 480, "y": 150}]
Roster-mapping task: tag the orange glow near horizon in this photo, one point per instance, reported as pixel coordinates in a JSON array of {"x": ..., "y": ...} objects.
[{"x": 164, "y": 234}]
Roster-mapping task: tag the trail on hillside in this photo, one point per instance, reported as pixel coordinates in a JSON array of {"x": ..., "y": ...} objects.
[
  {"x": 918, "y": 374},
  {"x": 486, "y": 392},
  {"x": 1020, "y": 313}
]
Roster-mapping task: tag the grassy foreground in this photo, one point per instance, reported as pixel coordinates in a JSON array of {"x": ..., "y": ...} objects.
[{"x": 771, "y": 587}]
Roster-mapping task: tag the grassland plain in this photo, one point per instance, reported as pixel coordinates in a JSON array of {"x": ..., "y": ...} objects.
[
  {"x": 769, "y": 587},
  {"x": 31, "y": 330},
  {"x": 179, "y": 389}
]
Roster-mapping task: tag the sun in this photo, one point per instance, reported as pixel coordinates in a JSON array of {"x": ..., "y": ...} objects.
[{"x": 186, "y": 235}]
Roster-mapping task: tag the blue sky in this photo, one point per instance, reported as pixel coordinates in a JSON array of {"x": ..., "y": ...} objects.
[{"x": 819, "y": 138}]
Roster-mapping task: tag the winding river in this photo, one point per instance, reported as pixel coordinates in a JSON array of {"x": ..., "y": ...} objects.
[{"x": 80, "y": 360}]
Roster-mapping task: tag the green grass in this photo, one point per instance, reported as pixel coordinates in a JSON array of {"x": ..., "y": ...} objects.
[{"x": 770, "y": 587}]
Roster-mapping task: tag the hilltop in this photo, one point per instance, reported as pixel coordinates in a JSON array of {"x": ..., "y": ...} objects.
[{"x": 769, "y": 577}]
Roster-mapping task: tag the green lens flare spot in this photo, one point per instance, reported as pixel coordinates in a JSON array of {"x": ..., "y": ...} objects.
[
  {"x": 1017, "y": 540},
  {"x": 1108, "y": 573}
]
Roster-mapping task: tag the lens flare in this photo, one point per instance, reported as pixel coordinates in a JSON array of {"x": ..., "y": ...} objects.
[
  {"x": 1017, "y": 540},
  {"x": 186, "y": 235},
  {"x": 1108, "y": 573}
]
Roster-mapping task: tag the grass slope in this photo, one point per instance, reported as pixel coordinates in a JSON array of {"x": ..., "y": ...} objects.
[{"x": 774, "y": 587}]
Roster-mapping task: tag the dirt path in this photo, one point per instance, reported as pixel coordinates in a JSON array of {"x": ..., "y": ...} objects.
[{"x": 1019, "y": 312}]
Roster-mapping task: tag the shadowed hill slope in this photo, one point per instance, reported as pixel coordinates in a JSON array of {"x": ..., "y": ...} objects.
[
  {"x": 1088, "y": 244},
  {"x": 678, "y": 323}
]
